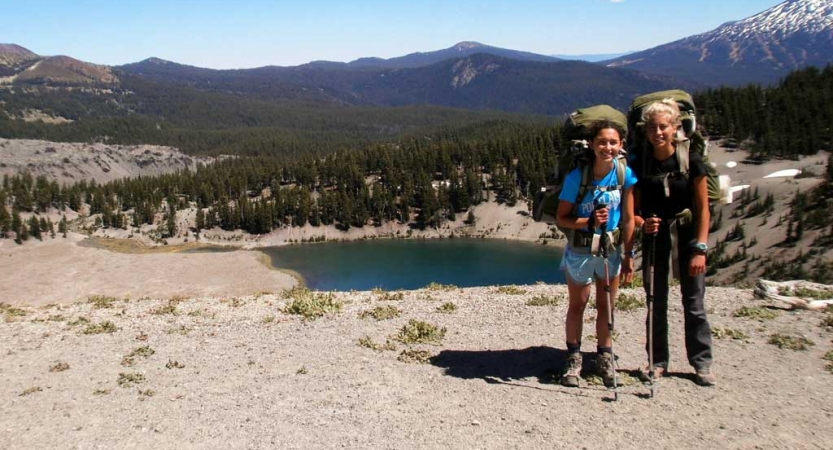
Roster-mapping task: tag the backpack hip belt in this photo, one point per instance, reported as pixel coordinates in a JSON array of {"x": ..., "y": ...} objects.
[{"x": 588, "y": 240}]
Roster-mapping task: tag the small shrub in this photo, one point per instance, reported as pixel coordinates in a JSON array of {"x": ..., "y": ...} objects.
[
  {"x": 147, "y": 393},
  {"x": 182, "y": 330},
  {"x": 30, "y": 390},
  {"x": 828, "y": 320},
  {"x": 101, "y": 301},
  {"x": 79, "y": 321},
  {"x": 129, "y": 379},
  {"x": 628, "y": 302},
  {"x": 268, "y": 319},
  {"x": 414, "y": 356},
  {"x": 829, "y": 358},
  {"x": 302, "y": 371},
  {"x": 790, "y": 342},
  {"x": 11, "y": 312},
  {"x": 437, "y": 287},
  {"x": 756, "y": 312},
  {"x": 168, "y": 309},
  {"x": 59, "y": 367},
  {"x": 381, "y": 313},
  {"x": 544, "y": 300},
  {"x": 624, "y": 379},
  {"x": 447, "y": 308},
  {"x": 100, "y": 328},
  {"x": 418, "y": 332},
  {"x": 728, "y": 333},
  {"x": 804, "y": 292},
  {"x": 174, "y": 365},
  {"x": 367, "y": 342},
  {"x": 391, "y": 296},
  {"x": 144, "y": 351},
  {"x": 311, "y": 305},
  {"x": 234, "y": 302},
  {"x": 510, "y": 290},
  {"x": 101, "y": 391},
  {"x": 637, "y": 281}
]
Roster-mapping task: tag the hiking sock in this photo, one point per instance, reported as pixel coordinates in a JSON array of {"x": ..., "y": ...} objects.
[
  {"x": 573, "y": 348},
  {"x": 601, "y": 350}
]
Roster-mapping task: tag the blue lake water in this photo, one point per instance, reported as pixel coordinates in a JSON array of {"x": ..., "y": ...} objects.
[{"x": 411, "y": 264}]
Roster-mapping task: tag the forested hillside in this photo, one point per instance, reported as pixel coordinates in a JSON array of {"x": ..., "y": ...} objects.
[
  {"x": 423, "y": 181},
  {"x": 794, "y": 118},
  {"x": 213, "y": 123}
]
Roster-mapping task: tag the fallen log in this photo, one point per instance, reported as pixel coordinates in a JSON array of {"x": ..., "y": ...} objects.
[{"x": 797, "y": 294}]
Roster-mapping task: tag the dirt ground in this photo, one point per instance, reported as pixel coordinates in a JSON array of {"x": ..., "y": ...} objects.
[{"x": 238, "y": 372}]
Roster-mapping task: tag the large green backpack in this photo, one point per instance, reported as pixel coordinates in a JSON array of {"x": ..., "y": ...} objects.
[
  {"x": 576, "y": 133},
  {"x": 688, "y": 141}
]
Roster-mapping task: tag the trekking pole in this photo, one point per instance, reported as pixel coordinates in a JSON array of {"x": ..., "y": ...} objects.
[
  {"x": 604, "y": 242},
  {"x": 652, "y": 256}
]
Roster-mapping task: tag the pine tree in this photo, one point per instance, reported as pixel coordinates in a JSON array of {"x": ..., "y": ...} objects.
[{"x": 62, "y": 226}]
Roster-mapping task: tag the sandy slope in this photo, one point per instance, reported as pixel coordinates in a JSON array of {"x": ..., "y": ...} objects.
[
  {"x": 61, "y": 271},
  {"x": 239, "y": 373}
]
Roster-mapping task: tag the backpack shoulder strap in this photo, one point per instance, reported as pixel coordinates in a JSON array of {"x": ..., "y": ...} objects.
[
  {"x": 621, "y": 166},
  {"x": 586, "y": 181},
  {"x": 683, "y": 148}
]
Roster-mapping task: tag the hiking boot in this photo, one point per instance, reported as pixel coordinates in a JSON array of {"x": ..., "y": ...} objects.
[
  {"x": 644, "y": 373},
  {"x": 606, "y": 369},
  {"x": 705, "y": 377},
  {"x": 573, "y": 374}
]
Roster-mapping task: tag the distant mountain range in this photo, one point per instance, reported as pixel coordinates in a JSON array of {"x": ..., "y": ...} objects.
[
  {"x": 460, "y": 50},
  {"x": 759, "y": 49},
  {"x": 479, "y": 81}
]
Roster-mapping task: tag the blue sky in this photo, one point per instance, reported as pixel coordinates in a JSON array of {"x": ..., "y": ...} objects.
[{"x": 254, "y": 33}]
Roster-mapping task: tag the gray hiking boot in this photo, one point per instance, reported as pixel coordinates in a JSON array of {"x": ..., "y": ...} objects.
[
  {"x": 705, "y": 377},
  {"x": 573, "y": 374},
  {"x": 605, "y": 367}
]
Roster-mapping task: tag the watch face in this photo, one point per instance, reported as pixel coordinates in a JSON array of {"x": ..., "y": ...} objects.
[{"x": 700, "y": 246}]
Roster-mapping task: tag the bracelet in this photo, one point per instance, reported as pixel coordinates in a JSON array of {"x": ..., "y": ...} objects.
[{"x": 631, "y": 253}]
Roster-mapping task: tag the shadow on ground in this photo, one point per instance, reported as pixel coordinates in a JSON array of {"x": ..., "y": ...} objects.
[{"x": 544, "y": 363}]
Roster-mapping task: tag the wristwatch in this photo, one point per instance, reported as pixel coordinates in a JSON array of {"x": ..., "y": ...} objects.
[{"x": 701, "y": 247}]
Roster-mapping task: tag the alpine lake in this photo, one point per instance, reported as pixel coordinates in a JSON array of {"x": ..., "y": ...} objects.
[{"x": 393, "y": 264}]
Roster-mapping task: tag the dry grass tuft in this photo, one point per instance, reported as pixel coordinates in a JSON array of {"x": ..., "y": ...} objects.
[
  {"x": 381, "y": 313},
  {"x": 100, "y": 328},
  {"x": 59, "y": 367},
  {"x": 414, "y": 356},
  {"x": 418, "y": 332},
  {"x": 756, "y": 312},
  {"x": 545, "y": 300},
  {"x": 310, "y": 305},
  {"x": 790, "y": 342}
]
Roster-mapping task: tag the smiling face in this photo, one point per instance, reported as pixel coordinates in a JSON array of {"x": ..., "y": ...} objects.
[
  {"x": 606, "y": 144},
  {"x": 661, "y": 130}
]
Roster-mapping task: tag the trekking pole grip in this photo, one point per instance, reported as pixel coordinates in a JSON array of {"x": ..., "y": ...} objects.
[{"x": 603, "y": 240}]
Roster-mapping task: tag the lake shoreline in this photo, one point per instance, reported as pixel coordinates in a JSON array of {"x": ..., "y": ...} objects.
[{"x": 135, "y": 247}]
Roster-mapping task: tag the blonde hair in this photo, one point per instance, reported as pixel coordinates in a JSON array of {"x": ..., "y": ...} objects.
[{"x": 666, "y": 106}]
